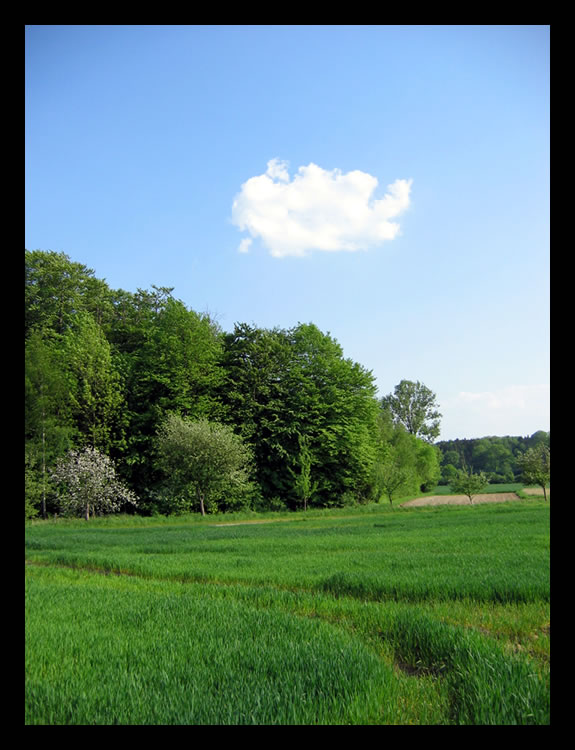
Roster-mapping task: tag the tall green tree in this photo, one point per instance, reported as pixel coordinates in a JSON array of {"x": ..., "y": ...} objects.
[
  {"x": 281, "y": 384},
  {"x": 57, "y": 288},
  {"x": 182, "y": 358},
  {"x": 254, "y": 391},
  {"x": 413, "y": 405},
  {"x": 427, "y": 462},
  {"x": 48, "y": 425},
  {"x": 171, "y": 363},
  {"x": 405, "y": 464},
  {"x": 95, "y": 386}
]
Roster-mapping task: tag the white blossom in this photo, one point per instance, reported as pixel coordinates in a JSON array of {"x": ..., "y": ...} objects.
[{"x": 87, "y": 484}]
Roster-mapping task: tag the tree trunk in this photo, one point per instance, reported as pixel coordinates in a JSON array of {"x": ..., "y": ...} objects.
[
  {"x": 201, "y": 499},
  {"x": 87, "y": 514}
]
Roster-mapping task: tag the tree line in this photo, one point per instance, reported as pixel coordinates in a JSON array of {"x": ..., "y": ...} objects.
[
  {"x": 123, "y": 376},
  {"x": 499, "y": 458}
]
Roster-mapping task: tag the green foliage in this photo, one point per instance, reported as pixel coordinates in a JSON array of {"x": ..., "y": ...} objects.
[
  {"x": 201, "y": 459},
  {"x": 392, "y": 473},
  {"x": 281, "y": 384},
  {"x": 498, "y": 457},
  {"x": 468, "y": 483},
  {"x": 103, "y": 368},
  {"x": 34, "y": 489},
  {"x": 56, "y": 289},
  {"x": 179, "y": 359},
  {"x": 414, "y": 406},
  {"x": 95, "y": 388},
  {"x": 405, "y": 464},
  {"x": 303, "y": 485},
  {"x": 535, "y": 465}
]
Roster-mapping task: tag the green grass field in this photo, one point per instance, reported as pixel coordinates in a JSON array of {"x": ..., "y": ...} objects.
[{"x": 369, "y": 615}]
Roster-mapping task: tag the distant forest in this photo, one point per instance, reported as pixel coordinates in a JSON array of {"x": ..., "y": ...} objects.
[
  {"x": 495, "y": 456},
  {"x": 104, "y": 368}
]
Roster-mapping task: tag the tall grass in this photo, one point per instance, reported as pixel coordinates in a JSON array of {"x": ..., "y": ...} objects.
[
  {"x": 486, "y": 685},
  {"x": 490, "y": 553},
  {"x": 139, "y": 652},
  {"x": 378, "y": 616}
]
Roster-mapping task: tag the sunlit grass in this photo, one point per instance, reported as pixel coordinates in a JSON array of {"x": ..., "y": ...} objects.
[{"x": 426, "y": 616}]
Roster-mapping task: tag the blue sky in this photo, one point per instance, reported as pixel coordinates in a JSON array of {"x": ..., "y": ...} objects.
[{"x": 388, "y": 183}]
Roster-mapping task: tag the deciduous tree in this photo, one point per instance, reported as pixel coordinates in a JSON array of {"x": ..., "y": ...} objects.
[
  {"x": 535, "y": 465},
  {"x": 414, "y": 406},
  {"x": 468, "y": 483},
  {"x": 284, "y": 383},
  {"x": 88, "y": 485},
  {"x": 304, "y": 486},
  {"x": 200, "y": 458},
  {"x": 391, "y": 472},
  {"x": 95, "y": 387}
]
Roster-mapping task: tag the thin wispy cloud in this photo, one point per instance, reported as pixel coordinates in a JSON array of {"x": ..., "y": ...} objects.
[
  {"x": 317, "y": 210},
  {"x": 513, "y": 409}
]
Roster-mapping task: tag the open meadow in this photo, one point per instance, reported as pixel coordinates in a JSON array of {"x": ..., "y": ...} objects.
[{"x": 367, "y": 615}]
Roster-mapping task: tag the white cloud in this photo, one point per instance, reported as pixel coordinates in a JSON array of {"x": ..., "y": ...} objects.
[
  {"x": 319, "y": 209},
  {"x": 277, "y": 169}
]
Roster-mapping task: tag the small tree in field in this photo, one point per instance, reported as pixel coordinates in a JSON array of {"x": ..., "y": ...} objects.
[
  {"x": 201, "y": 458},
  {"x": 304, "y": 487},
  {"x": 87, "y": 484},
  {"x": 467, "y": 483},
  {"x": 535, "y": 465},
  {"x": 391, "y": 474}
]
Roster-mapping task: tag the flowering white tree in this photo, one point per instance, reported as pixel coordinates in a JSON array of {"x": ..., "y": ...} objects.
[{"x": 87, "y": 484}]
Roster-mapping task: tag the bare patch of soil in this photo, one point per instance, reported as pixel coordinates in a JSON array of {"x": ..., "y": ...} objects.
[{"x": 496, "y": 497}]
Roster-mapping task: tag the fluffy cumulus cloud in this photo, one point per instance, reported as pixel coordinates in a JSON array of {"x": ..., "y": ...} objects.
[{"x": 318, "y": 209}]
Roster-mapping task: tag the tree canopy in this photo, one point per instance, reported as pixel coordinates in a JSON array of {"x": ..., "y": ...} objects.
[
  {"x": 498, "y": 457},
  {"x": 414, "y": 406},
  {"x": 124, "y": 373}
]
